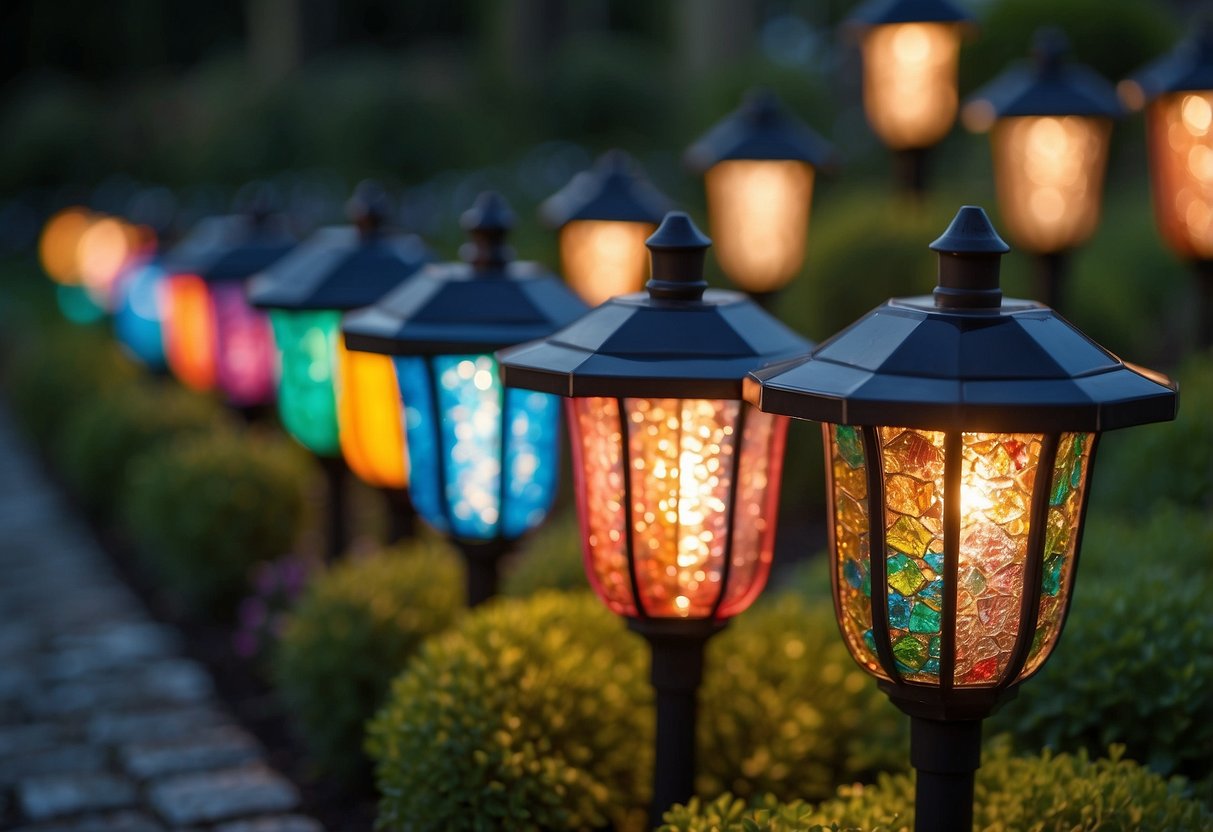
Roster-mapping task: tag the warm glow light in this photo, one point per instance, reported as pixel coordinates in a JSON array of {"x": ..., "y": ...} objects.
[
  {"x": 1181, "y": 170},
  {"x": 245, "y": 357},
  {"x": 760, "y": 219},
  {"x": 1050, "y": 172},
  {"x": 604, "y": 258},
  {"x": 189, "y": 330},
  {"x": 699, "y": 493},
  {"x": 57, "y": 245},
  {"x": 371, "y": 418},
  {"x": 909, "y": 82},
  {"x": 102, "y": 251}
]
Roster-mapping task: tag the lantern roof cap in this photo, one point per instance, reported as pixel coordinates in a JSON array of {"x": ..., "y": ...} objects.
[
  {"x": 231, "y": 247},
  {"x": 879, "y": 12},
  {"x": 761, "y": 128},
  {"x": 483, "y": 302},
  {"x": 1186, "y": 68},
  {"x": 1048, "y": 85},
  {"x": 342, "y": 267},
  {"x": 677, "y": 339},
  {"x": 965, "y": 359},
  {"x": 615, "y": 188}
]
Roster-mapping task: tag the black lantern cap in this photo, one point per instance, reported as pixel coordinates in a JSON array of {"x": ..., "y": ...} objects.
[
  {"x": 761, "y": 128},
  {"x": 878, "y": 12},
  {"x": 343, "y": 267},
  {"x": 231, "y": 247},
  {"x": 965, "y": 360},
  {"x": 614, "y": 189},
  {"x": 484, "y": 303},
  {"x": 679, "y": 339},
  {"x": 1049, "y": 85},
  {"x": 1186, "y": 68}
]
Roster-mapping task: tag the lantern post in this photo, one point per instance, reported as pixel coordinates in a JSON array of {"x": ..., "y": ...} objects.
[
  {"x": 960, "y": 432},
  {"x": 676, "y": 479}
]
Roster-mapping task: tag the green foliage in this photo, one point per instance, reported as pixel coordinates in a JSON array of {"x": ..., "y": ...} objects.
[
  {"x": 531, "y": 714},
  {"x": 550, "y": 559},
  {"x": 1062, "y": 793},
  {"x": 351, "y": 632},
  {"x": 103, "y": 436},
  {"x": 792, "y": 713},
  {"x": 205, "y": 510}
]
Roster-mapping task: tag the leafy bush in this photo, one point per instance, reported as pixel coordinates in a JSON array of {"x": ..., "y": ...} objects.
[
  {"x": 203, "y": 512},
  {"x": 532, "y": 714},
  {"x": 352, "y": 631},
  {"x": 551, "y": 559},
  {"x": 791, "y": 713},
  {"x": 1062, "y": 793},
  {"x": 102, "y": 437}
]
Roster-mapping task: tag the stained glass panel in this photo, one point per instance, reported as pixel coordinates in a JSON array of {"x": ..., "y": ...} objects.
[
  {"x": 307, "y": 401},
  {"x": 852, "y": 554}
]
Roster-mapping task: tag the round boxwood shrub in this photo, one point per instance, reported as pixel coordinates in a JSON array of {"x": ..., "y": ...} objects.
[
  {"x": 531, "y": 714},
  {"x": 787, "y": 710},
  {"x": 102, "y": 437},
  {"x": 350, "y": 633},
  {"x": 204, "y": 511},
  {"x": 1048, "y": 793},
  {"x": 550, "y": 559}
]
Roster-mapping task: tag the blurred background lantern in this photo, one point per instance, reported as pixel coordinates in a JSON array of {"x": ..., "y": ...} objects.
[
  {"x": 213, "y": 339},
  {"x": 676, "y": 479},
  {"x": 104, "y": 251},
  {"x": 343, "y": 406},
  {"x": 758, "y": 165},
  {"x": 911, "y": 52},
  {"x": 1050, "y": 123},
  {"x": 604, "y": 216},
  {"x": 1177, "y": 94},
  {"x": 137, "y": 313},
  {"x": 484, "y": 460},
  {"x": 59, "y": 255},
  {"x": 960, "y": 432}
]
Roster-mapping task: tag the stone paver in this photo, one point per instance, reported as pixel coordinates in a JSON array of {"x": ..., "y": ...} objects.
[{"x": 104, "y": 725}]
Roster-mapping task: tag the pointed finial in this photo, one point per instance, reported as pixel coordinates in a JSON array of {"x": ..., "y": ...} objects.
[
  {"x": 487, "y": 223},
  {"x": 369, "y": 208},
  {"x": 970, "y": 254},
  {"x": 1050, "y": 47},
  {"x": 676, "y": 250}
]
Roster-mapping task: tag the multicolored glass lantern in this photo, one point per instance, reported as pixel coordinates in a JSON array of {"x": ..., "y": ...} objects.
[
  {"x": 213, "y": 339},
  {"x": 960, "y": 431},
  {"x": 677, "y": 479},
  {"x": 604, "y": 215},
  {"x": 758, "y": 165},
  {"x": 58, "y": 252},
  {"x": 484, "y": 460},
  {"x": 1050, "y": 125},
  {"x": 1177, "y": 94},
  {"x": 138, "y": 316},
  {"x": 911, "y": 52}
]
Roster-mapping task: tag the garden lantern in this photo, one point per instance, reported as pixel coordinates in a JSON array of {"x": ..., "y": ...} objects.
[
  {"x": 58, "y": 253},
  {"x": 483, "y": 459},
  {"x": 213, "y": 339},
  {"x": 677, "y": 479},
  {"x": 1177, "y": 94},
  {"x": 1050, "y": 124},
  {"x": 758, "y": 165},
  {"x": 960, "y": 431},
  {"x": 338, "y": 403},
  {"x": 604, "y": 215},
  {"x": 137, "y": 316},
  {"x": 911, "y": 51}
]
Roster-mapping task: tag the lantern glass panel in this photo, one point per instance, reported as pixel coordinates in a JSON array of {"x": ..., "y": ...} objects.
[
  {"x": 189, "y": 331},
  {"x": 677, "y": 511},
  {"x": 460, "y": 438},
  {"x": 1179, "y": 127},
  {"x": 371, "y": 418},
  {"x": 848, "y": 474},
  {"x": 760, "y": 219},
  {"x": 1050, "y": 178},
  {"x": 137, "y": 319},
  {"x": 306, "y": 399},
  {"x": 909, "y": 82},
  {"x": 245, "y": 359},
  {"x": 604, "y": 258}
]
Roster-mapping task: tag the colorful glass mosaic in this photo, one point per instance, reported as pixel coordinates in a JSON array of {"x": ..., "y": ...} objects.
[
  {"x": 852, "y": 553},
  {"x": 307, "y": 401}
]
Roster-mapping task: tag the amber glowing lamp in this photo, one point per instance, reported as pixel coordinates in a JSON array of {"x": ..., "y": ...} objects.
[
  {"x": 677, "y": 479},
  {"x": 960, "y": 432}
]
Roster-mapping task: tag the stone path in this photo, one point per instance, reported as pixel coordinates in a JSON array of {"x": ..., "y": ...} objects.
[{"x": 104, "y": 725}]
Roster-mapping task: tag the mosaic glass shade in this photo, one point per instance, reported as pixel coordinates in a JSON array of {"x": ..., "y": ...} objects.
[
  {"x": 371, "y": 418},
  {"x": 137, "y": 319},
  {"x": 189, "y": 331},
  {"x": 307, "y": 399}
]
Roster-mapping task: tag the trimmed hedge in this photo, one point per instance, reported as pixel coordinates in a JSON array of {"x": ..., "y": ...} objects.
[{"x": 550, "y": 559}]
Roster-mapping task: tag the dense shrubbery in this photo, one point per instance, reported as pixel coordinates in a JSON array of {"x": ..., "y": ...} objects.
[
  {"x": 551, "y": 559},
  {"x": 204, "y": 511},
  {"x": 1062, "y": 793},
  {"x": 352, "y": 631}
]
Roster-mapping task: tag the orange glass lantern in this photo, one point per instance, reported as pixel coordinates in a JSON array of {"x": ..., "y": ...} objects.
[
  {"x": 677, "y": 479},
  {"x": 911, "y": 52},
  {"x": 1050, "y": 125},
  {"x": 759, "y": 164},
  {"x": 604, "y": 216}
]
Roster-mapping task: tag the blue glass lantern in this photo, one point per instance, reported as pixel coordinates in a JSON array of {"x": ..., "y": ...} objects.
[
  {"x": 483, "y": 458},
  {"x": 137, "y": 318}
]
